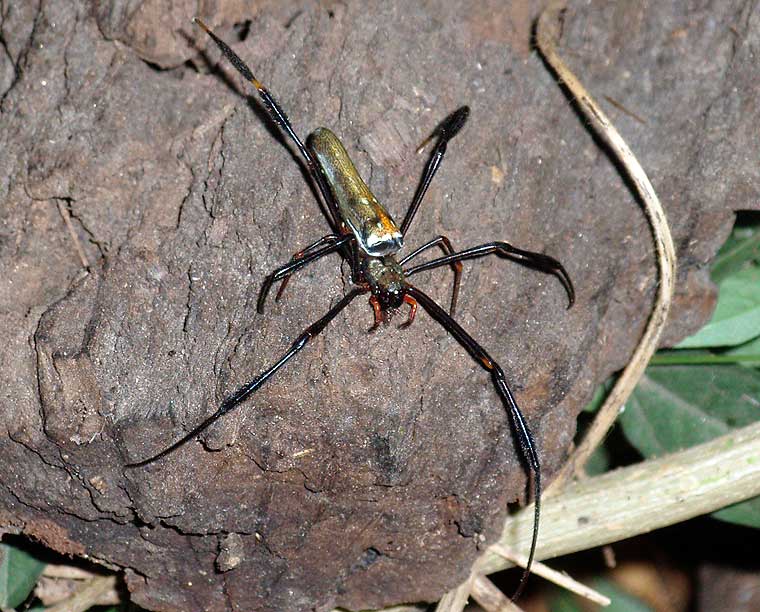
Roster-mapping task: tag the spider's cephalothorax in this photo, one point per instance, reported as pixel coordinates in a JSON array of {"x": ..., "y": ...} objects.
[
  {"x": 386, "y": 281},
  {"x": 364, "y": 233}
]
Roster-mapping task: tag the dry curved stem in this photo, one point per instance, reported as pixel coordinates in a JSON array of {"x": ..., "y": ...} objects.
[
  {"x": 547, "y": 35},
  {"x": 67, "y": 572}
]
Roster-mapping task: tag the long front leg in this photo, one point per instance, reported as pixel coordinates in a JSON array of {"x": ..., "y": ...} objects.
[
  {"x": 445, "y": 131},
  {"x": 279, "y": 116},
  {"x": 545, "y": 263},
  {"x": 519, "y": 424},
  {"x": 246, "y": 390}
]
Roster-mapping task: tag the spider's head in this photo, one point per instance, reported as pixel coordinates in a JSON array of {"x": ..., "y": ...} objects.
[
  {"x": 391, "y": 298},
  {"x": 386, "y": 279}
]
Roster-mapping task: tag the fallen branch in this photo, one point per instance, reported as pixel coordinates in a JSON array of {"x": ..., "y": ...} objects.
[{"x": 638, "y": 499}]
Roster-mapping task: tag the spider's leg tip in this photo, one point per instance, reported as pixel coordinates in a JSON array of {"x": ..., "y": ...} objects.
[
  {"x": 424, "y": 143},
  {"x": 198, "y": 21}
]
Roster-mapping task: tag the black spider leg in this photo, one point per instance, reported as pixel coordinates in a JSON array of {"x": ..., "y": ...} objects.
[
  {"x": 329, "y": 239},
  {"x": 522, "y": 431},
  {"x": 246, "y": 390},
  {"x": 279, "y": 116},
  {"x": 295, "y": 264},
  {"x": 542, "y": 262},
  {"x": 445, "y": 246},
  {"x": 445, "y": 131}
]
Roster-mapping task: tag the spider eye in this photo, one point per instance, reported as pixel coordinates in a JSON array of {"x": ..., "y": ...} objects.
[{"x": 394, "y": 298}]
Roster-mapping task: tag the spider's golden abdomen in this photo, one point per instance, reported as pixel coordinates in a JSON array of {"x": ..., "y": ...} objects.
[{"x": 374, "y": 228}]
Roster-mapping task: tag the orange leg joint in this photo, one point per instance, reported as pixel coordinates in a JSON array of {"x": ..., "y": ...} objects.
[{"x": 412, "y": 311}]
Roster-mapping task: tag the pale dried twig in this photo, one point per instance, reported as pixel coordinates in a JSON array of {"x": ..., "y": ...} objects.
[
  {"x": 87, "y": 596},
  {"x": 64, "y": 212},
  {"x": 67, "y": 572},
  {"x": 490, "y": 598},
  {"x": 456, "y": 599},
  {"x": 558, "y": 578}
]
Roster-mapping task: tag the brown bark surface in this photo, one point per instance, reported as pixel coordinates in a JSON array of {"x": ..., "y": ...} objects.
[{"x": 371, "y": 469}]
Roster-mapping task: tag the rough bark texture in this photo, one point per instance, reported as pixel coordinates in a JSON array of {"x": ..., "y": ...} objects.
[{"x": 372, "y": 468}]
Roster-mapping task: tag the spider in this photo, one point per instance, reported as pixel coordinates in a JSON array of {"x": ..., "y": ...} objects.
[{"x": 366, "y": 235}]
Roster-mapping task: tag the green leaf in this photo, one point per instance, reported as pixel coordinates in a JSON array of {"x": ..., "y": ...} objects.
[
  {"x": 741, "y": 247},
  {"x": 746, "y": 513},
  {"x": 736, "y": 319},
  {"x": 748, "y": 353},
  {"x": 600, "y": 394},
  {"x": 18, "y": 575},
  {"x": 622, "y": 601},
  {"x": 564, "y": 601},
  {"x": 599, "y": 462},
  {"x": 675, "y": 407}
]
